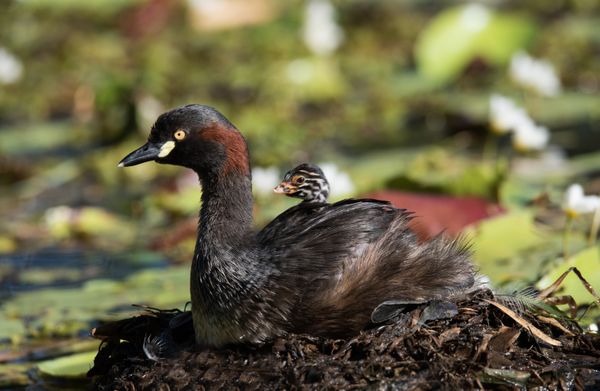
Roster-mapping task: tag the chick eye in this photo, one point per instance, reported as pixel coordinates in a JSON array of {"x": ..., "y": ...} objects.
[
  {"x": 300, "y": 180},
  {"x": 179, "y": 135}
]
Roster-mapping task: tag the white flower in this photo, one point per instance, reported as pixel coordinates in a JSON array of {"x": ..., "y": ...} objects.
[
  {"x": 537, "y": 75},
  {"x": 148, "y": 108},
  {"x": 530, "y": 137},
  {"x": 58, "y": 215},
  {"x": 208, "y": 6},
  {"x": 321, "y": 33},
  {"x": 264, "y": 179},
  {"x": 475, "y": 17},
  {"x": 59, "y": 219},
  {"x": 339, "y": 181},
  {"x": 505, "y": 115},
  {"x": 576, "y": 202},
  {"x": 11, "y": 68}
]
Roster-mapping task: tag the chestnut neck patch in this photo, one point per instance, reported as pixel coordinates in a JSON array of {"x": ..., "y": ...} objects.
[{"x": 236, "y": 149}]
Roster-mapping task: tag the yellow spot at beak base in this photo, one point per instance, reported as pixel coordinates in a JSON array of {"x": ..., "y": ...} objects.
[{"x": 166, "y": 148}]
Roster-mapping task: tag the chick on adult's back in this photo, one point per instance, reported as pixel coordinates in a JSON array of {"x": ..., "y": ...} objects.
[
  {"x": 322, "y": 272},
  {"x": 307, "y": 182}
]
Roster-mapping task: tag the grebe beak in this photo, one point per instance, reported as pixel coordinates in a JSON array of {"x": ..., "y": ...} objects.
[
  {"x": 145, "y": 153},
  {"x": 285, "y": 188}
]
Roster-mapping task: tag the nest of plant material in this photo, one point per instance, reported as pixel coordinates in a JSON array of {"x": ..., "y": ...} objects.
[{"x": 479, "y": 342}]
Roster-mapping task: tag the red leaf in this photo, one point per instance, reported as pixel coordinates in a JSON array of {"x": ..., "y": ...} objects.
[{"x": 436, "y": 213}]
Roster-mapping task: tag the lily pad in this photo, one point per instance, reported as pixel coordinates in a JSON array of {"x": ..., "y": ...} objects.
[
  {"x": 376, "y": 168},
  {"x": 184, "y": 202},
  {"x": 458, "y": 35},
  {"x": 70, "y": 311},
  {"x": 43, "y": 276},
  {"x": 75, "y": 365},
  {"x": 440, "y": 171},
  {"x": 517, "y": 192},
  {"x": 316, "y": 78},
  {"x": 40, "y": 137},
  {"x": 95, "y": 6},
  {"x": 7, "y": 244},
  {"x": 12, "y": 328},
  {"x": 13, "y": 375},
  {"x": 504, "y": 247},
  {"x": 89, "y": 222}
]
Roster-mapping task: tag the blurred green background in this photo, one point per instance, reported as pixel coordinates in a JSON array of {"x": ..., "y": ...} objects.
[{"x": 393, "y": 97}]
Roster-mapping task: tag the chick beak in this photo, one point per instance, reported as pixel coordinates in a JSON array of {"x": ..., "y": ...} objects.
[
  {"x": 145, "y": 153},
  {"x": 285, "y": 188}
]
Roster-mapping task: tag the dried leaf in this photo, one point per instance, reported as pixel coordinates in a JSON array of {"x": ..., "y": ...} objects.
[
  {"x": 449, "y": 335},
  {"x": 483, "y": 345},
  {"x": 556, "y": 324},
  {"x": 528, "y": 326},
  {"x": 504, "y": 339}
]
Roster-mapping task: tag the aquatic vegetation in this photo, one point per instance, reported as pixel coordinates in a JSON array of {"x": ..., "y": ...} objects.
[{"x": 396, "y": 99}]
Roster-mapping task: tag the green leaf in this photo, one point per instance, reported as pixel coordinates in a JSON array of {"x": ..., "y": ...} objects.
[
  {"x": 376, "y": 168},
  {"x": 438, "y": 170},
  {"x": 588, "y": 263},
  {"x": 75, "y": 365},
  {"x": 43, "y": 276},
  {"x": 69, "y": 311},
  {"x": 315, "y": 78},
  {"x": 40, "y": 137},
  {"x": 507, "y": 248},
  {"x": 518, "y": 192},
  {"x": 505, "y": 34},
  {"x": 12, "y": 328},
  {"x": 184, "y": 202},
  {"x": 460, "y": 34},
  {"x": 97, "y": 6},
  {"x": 7, "y": 245},
  {"x": 14, "y": 375}
]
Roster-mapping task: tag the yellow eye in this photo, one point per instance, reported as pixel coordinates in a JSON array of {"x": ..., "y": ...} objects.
[{"x": 179, "y": 135}]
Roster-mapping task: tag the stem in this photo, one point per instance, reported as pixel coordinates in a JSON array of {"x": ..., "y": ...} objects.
[
  {"x": 510, "y": 157},
  {"x": 595, "y": 227},
  {"x": 567, "y": 236},
  {"x": 490, "y": 147}
]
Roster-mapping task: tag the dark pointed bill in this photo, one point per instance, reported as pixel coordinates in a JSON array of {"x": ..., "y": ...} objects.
[{"x": 145, "y": 153}]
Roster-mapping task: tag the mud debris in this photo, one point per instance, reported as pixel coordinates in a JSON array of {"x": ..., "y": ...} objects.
[{"x": 480, "y": 346}]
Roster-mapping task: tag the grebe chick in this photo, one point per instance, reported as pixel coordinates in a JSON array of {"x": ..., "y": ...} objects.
[{"x": 306, "y": 182}]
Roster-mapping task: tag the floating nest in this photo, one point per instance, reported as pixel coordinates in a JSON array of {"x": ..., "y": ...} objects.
[{"x": 479, "y": 342}]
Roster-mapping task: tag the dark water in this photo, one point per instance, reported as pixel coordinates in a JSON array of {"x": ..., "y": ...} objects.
[
  {"x": 88, "y": 265},
  {"x": 60, "y": 268}
]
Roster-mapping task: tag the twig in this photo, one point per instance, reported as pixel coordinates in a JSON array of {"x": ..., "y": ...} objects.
[
  {"x": 594, "y": 227},
  {"x": 567, "y": 236},
  {"x": 550, "y": 290}
]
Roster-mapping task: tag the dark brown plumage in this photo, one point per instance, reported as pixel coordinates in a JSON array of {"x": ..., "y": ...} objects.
[{"x": 316, "y": 268}]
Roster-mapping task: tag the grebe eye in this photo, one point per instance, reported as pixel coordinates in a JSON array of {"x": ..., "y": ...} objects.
[
  {"x": 179, "y": 135},
  {"x": 300, "y": 180}
]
